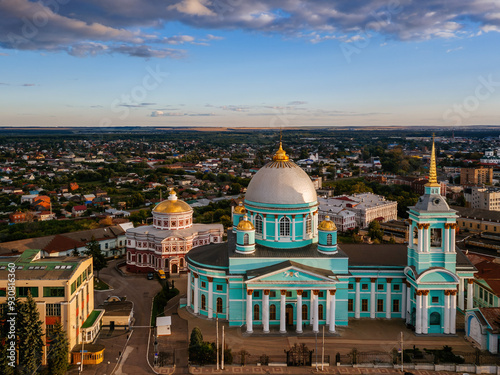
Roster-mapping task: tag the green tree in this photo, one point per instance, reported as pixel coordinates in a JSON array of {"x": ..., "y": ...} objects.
[
  {"x": 30, "y": 336},
  {"x": 59, "y": 349},
  {"x": 374, "y": 231},
  {"x": 195, "y": 344},
  {"x": 94, "y": 250}
]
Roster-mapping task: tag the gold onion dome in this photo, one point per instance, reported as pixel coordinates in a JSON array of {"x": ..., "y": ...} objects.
[
  {"x": 433, "y": 182},
  {"x": 240, "y": 209},
  {"x": 327, "y": 225},
  {"x": 172, "y": 205},
  {"x": 245, "y": 224}
]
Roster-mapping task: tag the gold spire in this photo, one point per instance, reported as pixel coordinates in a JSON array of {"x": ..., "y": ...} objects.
[
  {"x": 433, "y": 182},
  {"x": 280, "y": 155}
]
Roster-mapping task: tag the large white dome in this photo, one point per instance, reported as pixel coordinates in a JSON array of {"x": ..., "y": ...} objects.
[{"x": 281, "y": 182}]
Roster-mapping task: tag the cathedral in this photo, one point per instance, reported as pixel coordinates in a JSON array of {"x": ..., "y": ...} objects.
[{"x": 282, "y": 270}]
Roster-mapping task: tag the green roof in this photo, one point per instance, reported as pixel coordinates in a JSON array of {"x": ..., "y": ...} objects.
[{"x": 91, "y": 319}]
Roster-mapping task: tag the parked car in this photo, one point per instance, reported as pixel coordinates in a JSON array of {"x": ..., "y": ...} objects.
[{"x": 151, "y": 275}]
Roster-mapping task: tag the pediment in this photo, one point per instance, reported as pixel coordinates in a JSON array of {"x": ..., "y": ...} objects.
[{"x": 290, "y": 274}]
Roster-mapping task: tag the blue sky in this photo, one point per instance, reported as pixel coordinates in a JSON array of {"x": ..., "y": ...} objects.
[{"x": 249, "y": 63}]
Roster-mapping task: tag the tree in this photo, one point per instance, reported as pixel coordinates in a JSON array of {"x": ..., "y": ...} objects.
[
  {"x": 195, "y": 344},
  {"x": 94, "y": 250},
  {"x": 58, "y": 353},
  {"x": 75, "y": 252},
  {"x": 374, "y": 231},
  {"x": 30, "y": 336}
]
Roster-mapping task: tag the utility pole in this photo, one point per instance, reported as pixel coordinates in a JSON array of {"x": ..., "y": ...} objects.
[
  {"x": 316, "y": 334},
  {"x": 402, "y": 353},
  {"x": 217, "y": 335},
  {"x": 222, "y": 359},
  {"x": 323, "y": 351}
]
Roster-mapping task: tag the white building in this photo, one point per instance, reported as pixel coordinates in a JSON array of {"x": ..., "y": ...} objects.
[
  {"x": 164, "y": 244},
  {"x": 366, "y": 207},
  {"x": 486, "y": 198},
  {"x": 343, "y": 218}
]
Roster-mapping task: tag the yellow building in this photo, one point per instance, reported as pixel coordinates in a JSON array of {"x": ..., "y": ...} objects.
[{"x": 62, "y": 288}]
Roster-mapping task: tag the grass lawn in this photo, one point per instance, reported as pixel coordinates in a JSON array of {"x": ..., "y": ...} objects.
[{"x": 101, "y": 285}]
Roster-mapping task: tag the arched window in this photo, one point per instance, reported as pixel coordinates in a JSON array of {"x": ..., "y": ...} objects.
[
  {"x": 258, "y": 224},
  {"x": 256, "y": 312},
  {"x": 304, "y": 312},
  {"x": 219, "y": 305},
  {"x": 435, "y": 319},
  {"x": 181, "y": 262},
  {"x": 320, "y": 312},
  {"x": 240, "y": 219},
  {"x": 285, "y": 226},
  {"x": 246, "y": 240},
  {"x": 192, "y": 296},
  {"x": 203, "y": 302},
  {"x": 272, "y": 312},
  {"x": 329, "y": 239},
  {"x": 308, "y": 224}
]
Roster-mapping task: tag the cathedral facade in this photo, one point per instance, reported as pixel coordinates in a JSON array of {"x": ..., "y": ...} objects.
[
  {"x": 164, "y": 244},
  {"x": 283, "y": 270}
]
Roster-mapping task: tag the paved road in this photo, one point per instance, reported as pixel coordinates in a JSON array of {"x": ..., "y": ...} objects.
[{"x": 140, "y": 291}]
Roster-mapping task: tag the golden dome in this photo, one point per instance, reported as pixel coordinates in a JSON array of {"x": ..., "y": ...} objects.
[
  {"x": 327, "y": 225},
  {"x": 280, "y": 155},
  {"x": 245, "y": 224},
  {"x": 172, "y": 205},
  {"x": 240, "y": 209}
]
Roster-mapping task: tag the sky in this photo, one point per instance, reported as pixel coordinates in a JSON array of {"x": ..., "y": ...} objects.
[{"x": 232, "y": 63}]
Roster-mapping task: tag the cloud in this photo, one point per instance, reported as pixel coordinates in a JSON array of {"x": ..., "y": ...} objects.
[
  {"x": 28, "y": 84},
  {"x": 86, "y": 28},
  {"x": 454, "y": 49},
  {"x": 192, "y": 8},
  {"x": 297, "y": 102},
  {"x": 178, "y": 114}
]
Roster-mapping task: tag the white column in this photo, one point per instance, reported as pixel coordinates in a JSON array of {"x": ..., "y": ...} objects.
[
  {"x": 452, "y": 241},
  {"x": 316, "y": 309},
  {"x": 276, "y": 229},
  {"x": 403, "y": 301},
  {"x": 453, "y": 312},
  {"x": 327, "y": 306},
  {"x": 470, "y": 294},
  {"x": 446, "y": 311},
  {"x": 210, "y": 297},
  {"x": 372, "y": 298},
  {"x": 315, "y": 224},
  {"x": 420, "y": 240},
  {"x": 249, "y": 311},
  {"x": 461, "y": 294},
  {"x": 408, "y": 303},
  {"x": 446, "y": 238},
  {"x": 304, "y": 234},
  {"x": 388, "y": 306},
  {"x": 299, "y": 311},
  {"x": 264, "y": 226},
  {"x": 418, "y": 318},
  {"x": 293, "y": 227},
  {"x": 426, "y": 239},
  {"x": 357, "y": 307},
  {"x": 332, "y": 310},
  {"x": 283, "y": 312},
  {"x": 265, "y": 312},
  {"x": 190, "y": 275},
  {"x": 425, "y": 312},
  {"x": 196, "y": 295}
]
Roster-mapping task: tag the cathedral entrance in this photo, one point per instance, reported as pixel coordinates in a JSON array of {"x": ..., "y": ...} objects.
[
  {"x": 289, "y": 314},
  {"x": 174, "y": 268}
]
